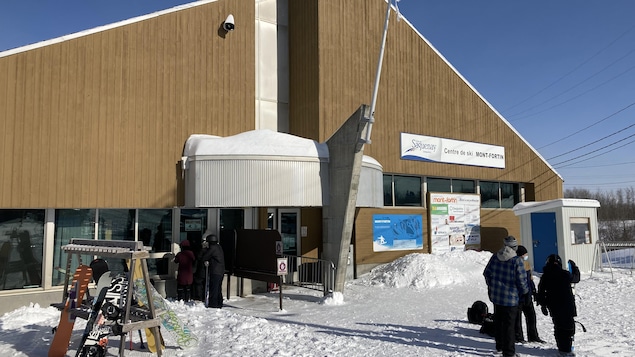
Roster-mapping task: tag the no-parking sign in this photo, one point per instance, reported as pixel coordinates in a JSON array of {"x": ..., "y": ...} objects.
[{"x": 282, "y": 266}]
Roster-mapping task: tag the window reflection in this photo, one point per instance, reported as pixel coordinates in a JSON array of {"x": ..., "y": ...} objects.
[{"x": 21, "y": 247}]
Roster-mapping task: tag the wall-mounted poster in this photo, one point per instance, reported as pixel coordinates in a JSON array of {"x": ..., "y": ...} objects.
[
  {"x": 455, "y": 221},
  {"x": 397, "y": 232}
]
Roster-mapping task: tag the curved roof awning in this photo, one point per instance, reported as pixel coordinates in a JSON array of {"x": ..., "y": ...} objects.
[{"x": 264, "y": 168}]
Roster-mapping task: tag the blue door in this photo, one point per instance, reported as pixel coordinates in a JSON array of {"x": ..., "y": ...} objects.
[{"x": 544, "y": 237}]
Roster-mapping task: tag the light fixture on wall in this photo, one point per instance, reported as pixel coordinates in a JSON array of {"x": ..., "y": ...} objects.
[{"x": 229, "y": 24}]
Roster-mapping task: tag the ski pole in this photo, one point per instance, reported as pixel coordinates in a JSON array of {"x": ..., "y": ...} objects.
[{"x": 141, "y": 345}]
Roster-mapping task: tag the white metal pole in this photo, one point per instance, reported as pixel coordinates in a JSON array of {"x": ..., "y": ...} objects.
[{"x": 373, "y": 101}]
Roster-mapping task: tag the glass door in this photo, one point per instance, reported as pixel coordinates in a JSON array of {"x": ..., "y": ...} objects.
[{"x": 289, "y": 228}]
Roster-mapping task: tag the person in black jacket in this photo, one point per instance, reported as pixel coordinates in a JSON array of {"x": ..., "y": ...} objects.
[
  {"x": 526, "y": 305},
  {"x": 555, "y": 296},
  {"x": 215, "y": 257}
]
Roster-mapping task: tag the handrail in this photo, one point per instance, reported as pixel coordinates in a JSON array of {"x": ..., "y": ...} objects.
[{"x": 310, "y": 273}]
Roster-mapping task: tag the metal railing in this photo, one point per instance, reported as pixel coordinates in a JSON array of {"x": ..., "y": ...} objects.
[
  {"x": 615, "y": 255},
  {"x": 310, "y": 273}
]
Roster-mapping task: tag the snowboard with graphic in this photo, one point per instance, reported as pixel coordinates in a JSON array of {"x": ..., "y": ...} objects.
[
  {"x": 170, "y": 321},
  {"x": 151, "y": 339},
  {"x": 94, "y": 318},
  {"x": 64, "y": 329}
]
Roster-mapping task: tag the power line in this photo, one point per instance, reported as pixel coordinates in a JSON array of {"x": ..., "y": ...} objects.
[
  {"x": 573, "y": 70},
  {"x": 594, "y": 142},
  {"x": 594, "y": 166},
  {"x": 604, "y": 153},
  {"x": 575, "y": 86},
  {"x": 574, "y": 97},
  {"x": 590, "y": 126}
]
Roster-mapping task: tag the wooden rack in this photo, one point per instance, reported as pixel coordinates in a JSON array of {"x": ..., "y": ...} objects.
[{"x": 131, "y": 251}]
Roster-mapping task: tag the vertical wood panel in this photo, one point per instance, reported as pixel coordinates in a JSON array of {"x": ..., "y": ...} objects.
[{"x": 110, "y": 111}]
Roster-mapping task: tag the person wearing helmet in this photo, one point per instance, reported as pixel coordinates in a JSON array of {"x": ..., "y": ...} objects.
[
  {"x": 215, "y": 257},
  {"x": 555, "y": 296},
  {"x": 185, "y": 259},
  {"x": 506, "y": 284}
]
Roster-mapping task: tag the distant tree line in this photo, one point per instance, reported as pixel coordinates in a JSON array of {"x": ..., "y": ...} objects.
[{"x": 616, "y": 215}]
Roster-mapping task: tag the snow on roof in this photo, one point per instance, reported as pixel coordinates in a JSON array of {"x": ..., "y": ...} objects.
[
  {"x": 529, "y": 207},
  {"x": 255, "y": 143}
]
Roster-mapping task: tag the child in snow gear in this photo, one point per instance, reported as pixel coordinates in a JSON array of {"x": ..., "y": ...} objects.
[
  {"x": 185, "y": 259},
  {"x": 555, "y": 296},
  {"x": 526, "y": 304},
  {"x": 506, "y": 283}
]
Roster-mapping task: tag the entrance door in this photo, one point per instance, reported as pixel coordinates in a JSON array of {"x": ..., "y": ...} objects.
[
  {"x": 544, "y": 237},
  {"x": 289, "y": 228}
]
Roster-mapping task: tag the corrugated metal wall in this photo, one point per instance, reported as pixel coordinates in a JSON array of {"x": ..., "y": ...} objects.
[{"x": 270, "y": 182}]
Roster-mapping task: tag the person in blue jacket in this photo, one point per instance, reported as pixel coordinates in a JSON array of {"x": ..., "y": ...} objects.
[{"x": 506, "y": 284}]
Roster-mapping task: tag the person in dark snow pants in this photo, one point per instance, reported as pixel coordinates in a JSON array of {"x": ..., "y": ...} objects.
[
  {"x": 506, "y": 284},
  {"x": 215, "y": 257},
  {"x": 555, "y": 296}
]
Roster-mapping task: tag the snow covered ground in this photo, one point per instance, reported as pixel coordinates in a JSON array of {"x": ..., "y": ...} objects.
[{"x": 414, "y": 306}]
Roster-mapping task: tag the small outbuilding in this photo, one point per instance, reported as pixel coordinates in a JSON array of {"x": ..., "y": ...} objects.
[{"x": 567, "y": 227}]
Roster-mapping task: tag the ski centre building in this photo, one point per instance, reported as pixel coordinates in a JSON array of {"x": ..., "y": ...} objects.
[{"x": 162, "y": 127}]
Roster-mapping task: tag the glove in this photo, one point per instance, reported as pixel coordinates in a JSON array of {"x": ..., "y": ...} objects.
[
  {"x": 571, "y": 263},
  {"x": 544, "y": 310}
]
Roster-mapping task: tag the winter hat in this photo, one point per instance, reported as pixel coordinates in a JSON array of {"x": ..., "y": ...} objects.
[
  {"x": 511, "y": 242},
  {"x": 185, "y": 243},
  {"x": 521, "y": 251}
]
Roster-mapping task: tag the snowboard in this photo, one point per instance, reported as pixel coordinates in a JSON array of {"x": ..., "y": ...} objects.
[
  {"x": 151, "y": 339},
  {"x": 169, "y": 319},
  {"x": 62, "y": 336},
  {"x": 95, "y": 314}
]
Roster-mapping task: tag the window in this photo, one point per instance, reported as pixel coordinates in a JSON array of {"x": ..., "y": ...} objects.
[
  {"x": 499, "y": 194},
  {"x": 510, "y": 193},
  {"x": 580, "y": 230},
  {"x": 439, "y": 185},
  {"x": 402, "y": 190},
  {"x": 489, "y": 194},
  {"x": 463, "y": 186},
  {"x": 22, "y": 237},
  {"x": 116, "y": 224},
  {"x": 155, "y": 231},
  {"x": 407, "y": 191},
  {"x": 388, "y": 191},
  {"x": 70, "y": 223}
]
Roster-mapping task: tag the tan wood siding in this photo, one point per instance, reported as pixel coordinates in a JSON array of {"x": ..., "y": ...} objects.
[
  {"x": 496, "y": 224},
  {"x": 419, "y": 93},
  {"x": 363, "y": 238},
  {"x": 100, "y": 120}
]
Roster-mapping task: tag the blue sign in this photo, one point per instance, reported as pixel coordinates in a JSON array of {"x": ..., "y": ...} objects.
[{"x": 397, "y": 232}]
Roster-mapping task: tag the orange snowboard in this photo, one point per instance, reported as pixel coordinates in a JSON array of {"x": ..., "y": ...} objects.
[{"x": 62, "y": 336}]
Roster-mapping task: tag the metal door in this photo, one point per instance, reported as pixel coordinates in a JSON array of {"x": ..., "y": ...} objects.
[
  {"x": 544, "y": 237},
  {"x": 289, "y": 228}
]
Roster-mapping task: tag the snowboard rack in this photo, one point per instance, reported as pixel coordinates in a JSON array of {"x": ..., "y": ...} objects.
[{"x": 122, "y": 249}]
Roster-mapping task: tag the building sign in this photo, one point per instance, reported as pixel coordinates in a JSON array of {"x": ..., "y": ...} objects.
[
  {"x": 429, "y": 148},
  {"x": 455, "y": 221},
  {"x": 193, "y": 225},
  {"x": 397, "y": 232}
]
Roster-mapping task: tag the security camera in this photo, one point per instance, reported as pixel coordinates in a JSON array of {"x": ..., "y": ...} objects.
[{"x": 229, "y": 25}]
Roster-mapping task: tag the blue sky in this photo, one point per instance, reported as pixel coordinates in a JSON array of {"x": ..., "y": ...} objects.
[{"x": 562, "y": 72}]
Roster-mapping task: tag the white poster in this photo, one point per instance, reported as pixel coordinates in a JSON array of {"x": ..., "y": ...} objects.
[{"x": 455, "y": 221}]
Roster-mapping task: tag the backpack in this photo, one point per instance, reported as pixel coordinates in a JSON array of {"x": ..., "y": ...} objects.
[
  {"x": 488, "y": 327},
  {"x": 477, "y": 313}
]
